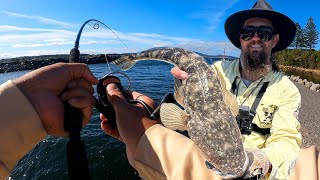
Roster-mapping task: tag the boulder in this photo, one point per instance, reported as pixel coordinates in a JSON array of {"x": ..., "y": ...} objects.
[
  {"x": 308, "y": 84},
  {"x": 315, "y": 87},
  {"x": 300, "y": 81}
]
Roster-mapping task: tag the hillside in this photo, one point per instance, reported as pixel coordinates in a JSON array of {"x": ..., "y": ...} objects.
[{"x": 309, "y": 59}]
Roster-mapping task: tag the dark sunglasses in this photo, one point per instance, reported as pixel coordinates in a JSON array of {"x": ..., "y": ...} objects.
[{"x": 265, "y": 33}]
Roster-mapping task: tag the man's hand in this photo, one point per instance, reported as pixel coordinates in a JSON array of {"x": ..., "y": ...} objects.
[
  {"x": 46, "y": 88},
  {"x": 178, "y": 73},
  {"x": 132, "y": 120}
]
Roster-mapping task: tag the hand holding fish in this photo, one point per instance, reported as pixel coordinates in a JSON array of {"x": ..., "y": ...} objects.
[
  {"x": 178, "y": 73},
  {"x": 132, "y": 120}
]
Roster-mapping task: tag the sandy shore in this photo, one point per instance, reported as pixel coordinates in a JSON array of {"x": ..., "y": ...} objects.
[{"x": 309, "y": 116}]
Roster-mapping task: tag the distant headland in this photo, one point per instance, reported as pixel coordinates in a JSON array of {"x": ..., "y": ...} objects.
[{"x": 34, "y": 62}]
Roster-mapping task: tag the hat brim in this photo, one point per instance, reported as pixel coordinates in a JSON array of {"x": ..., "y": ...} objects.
[{"x": 285, "y": 27}]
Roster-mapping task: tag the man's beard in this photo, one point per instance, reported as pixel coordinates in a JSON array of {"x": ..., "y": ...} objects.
[{"x": 256, "y": 63}]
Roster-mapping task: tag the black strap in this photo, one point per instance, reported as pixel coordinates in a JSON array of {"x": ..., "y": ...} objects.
[
  {"x": 257, "y": 177},
  {"x": 234, "y": 85},
  {"x": 168, "y": 98},
  {"x": 259, "y": 97},
  {"x": 263, "y": 131}
]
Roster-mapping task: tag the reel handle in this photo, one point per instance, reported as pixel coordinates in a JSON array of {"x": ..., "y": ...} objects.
[{"x": 102, "y": 103}]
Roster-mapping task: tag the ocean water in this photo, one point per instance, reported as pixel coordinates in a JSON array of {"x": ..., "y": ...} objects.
[{"x": 106, "y": 155}]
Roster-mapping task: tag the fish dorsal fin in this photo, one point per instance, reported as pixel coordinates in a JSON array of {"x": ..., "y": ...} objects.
[{"x": 228, "y": 98}]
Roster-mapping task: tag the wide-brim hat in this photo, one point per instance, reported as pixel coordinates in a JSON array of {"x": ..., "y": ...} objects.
[{"x": 283, "y": 25}]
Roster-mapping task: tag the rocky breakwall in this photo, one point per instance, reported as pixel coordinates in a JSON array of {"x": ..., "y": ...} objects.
[
  {"x": 34, "y": 62},
  {"x": 312, "y": 86}
]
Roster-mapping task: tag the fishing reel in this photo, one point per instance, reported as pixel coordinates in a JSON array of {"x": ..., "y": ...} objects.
[
  {"x": 104, "y": 106},
  {"x": 102, "y": 103}
]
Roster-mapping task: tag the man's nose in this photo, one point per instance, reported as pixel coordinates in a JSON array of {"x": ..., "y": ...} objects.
[{"x": 256, "y": 37}]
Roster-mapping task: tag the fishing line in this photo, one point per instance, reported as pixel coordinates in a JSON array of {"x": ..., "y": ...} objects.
[
  {"x": 95, "y": 26},
  {"x": 117, "y": 72},
  {"x": 105, "y": 55}
]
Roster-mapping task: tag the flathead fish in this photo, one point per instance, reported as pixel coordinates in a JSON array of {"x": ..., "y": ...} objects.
[{"x": 210, "y": 122}]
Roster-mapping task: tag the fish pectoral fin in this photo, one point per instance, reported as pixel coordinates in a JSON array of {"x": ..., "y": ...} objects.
[
  {"x": 231, "y": 101},
  {"x": 173, "y": 117}
]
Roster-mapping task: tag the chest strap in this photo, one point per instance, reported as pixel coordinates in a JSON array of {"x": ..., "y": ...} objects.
[{"x": 263, "y": 131}]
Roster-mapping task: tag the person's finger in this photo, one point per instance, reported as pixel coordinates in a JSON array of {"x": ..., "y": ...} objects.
[
  {"x": 81, "y": 83},
  {"x": 85, "y": 104},
  {"x": 106, "y": 127},
  {"x": 144, "y": 98},
  {"x": 75, "y": 92},
  {"x": 178, "y": 73},
  {"x": 82, "y": 99},
  {"x": 79, "y": 70},
  {"x": 115, "y": 96},
  {"x": 138, "y": 96},
  {"x": 102, "y": 117}
]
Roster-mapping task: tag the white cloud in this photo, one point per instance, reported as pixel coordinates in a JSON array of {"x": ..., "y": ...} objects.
[
  {"x": 24, "y": 41},
  {"x": 8, "y": 28},
  {"x": 39, "y": 18}
]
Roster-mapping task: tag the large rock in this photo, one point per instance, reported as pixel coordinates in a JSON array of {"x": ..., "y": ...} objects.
[
  {"x": 300, "y": 81},
  {"x": 294, "y": 78},
  {"x": 308, "y": 84},
  {"x": 315, "y": 87}
]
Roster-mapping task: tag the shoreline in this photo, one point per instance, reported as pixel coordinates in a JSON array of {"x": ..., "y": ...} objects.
[
  {"x": 35, "y": 62},
  {"x": 312, "y": 75},
  {"x": 297, "y": 79},
  {"x": 295, "y": 68},
  {"x": 308, "y": 84}
]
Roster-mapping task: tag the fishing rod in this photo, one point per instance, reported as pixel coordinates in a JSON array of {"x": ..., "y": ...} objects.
[{"x": 76, "y": 153}]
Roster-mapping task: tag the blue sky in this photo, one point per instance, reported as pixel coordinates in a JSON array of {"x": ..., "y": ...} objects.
[{"x": 38, "y": 27}]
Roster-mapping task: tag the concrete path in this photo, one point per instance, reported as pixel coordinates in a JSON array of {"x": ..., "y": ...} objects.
[{"x": 309, "y": 116}]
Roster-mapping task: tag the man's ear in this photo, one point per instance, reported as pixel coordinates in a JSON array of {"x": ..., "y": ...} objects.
[{"x": 275, "y": 40}]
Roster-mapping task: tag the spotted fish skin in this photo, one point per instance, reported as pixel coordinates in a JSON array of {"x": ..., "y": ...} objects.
[{"x": 211, "y": 126}]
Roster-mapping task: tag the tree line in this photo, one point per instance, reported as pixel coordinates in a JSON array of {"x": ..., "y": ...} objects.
[
  {"x": 307, "y": 37},
  {"x": 301, "y": 52}
]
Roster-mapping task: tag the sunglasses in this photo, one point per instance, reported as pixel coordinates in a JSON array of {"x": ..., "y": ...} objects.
[{"x": 265, "y": 33}]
